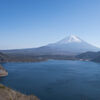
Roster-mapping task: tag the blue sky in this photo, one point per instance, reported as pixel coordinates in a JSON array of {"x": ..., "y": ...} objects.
[{"x": 34, "y": 23}]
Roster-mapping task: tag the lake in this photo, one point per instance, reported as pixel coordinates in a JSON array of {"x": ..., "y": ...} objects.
[{"x": 55, "y": 79}]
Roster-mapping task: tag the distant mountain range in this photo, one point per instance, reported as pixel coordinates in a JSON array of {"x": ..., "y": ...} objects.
[{"x": 71, "y": 45}]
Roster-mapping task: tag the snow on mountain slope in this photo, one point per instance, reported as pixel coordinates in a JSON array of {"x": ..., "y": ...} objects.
[
  {"x": 72, "y": 44},
  {"x": 70, "y": 39}
]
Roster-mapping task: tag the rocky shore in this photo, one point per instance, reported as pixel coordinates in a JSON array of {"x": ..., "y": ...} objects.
[
  {"x": 3, "y": 72},
  {"x": 9, "y": 94}
]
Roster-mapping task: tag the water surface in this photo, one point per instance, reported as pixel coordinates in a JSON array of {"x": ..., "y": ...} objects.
[{"x": 55, "y": 79}]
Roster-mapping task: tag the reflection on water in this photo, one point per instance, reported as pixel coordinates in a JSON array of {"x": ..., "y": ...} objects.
[{"x": 55, "y": 80}]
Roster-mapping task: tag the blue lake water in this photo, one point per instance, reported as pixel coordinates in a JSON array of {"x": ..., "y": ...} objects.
[{"x": 55, "y": 79}]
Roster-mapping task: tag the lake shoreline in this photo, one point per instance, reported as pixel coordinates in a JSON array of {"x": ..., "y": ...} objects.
[
  {"x": 9, "y": 94},
  {"x": 44, "y": 79},
  {"x": 3, "y": 72}
]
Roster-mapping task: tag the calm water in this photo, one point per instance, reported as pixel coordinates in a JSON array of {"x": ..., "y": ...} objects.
[{"x": 55, "y": 80}]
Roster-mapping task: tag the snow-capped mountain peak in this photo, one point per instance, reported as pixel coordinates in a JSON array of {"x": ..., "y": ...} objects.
[
  {"x": 70, "y": 39},
  {"x": 73, "y": 38}
]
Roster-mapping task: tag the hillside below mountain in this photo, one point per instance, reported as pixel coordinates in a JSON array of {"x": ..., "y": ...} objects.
[
  {"x": 97, "y": 59},
  {"x": 92, "y": 56},
  {"x": 88, "y": 55},
  {"x": 3, "y": 57}
]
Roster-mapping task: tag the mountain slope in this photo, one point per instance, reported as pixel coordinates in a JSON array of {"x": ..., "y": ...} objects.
[
  {"x": 71, "y": 45},
  {"x": 97, "y": 59},
  {"x": 92, "y": 56},
  {"x": 88, "y": 55},
  {"x": 3, "y": 57}
]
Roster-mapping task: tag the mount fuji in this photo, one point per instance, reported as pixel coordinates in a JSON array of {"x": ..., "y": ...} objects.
[
  {"x": 71, "y": 45},
  {"x": 67, "y": 46}
]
